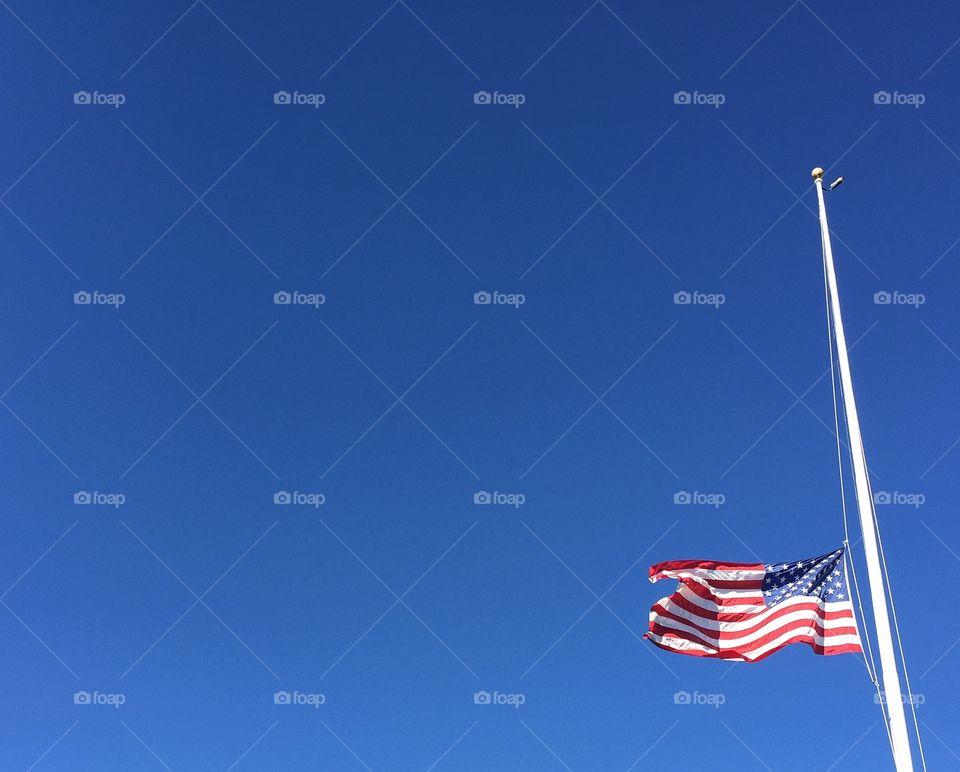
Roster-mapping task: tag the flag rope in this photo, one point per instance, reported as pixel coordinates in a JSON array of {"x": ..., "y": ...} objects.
[{"x": 871, "y": 664}]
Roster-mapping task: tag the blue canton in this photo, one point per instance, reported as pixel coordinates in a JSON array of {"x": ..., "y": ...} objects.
[{"x": 823, "y": 577}]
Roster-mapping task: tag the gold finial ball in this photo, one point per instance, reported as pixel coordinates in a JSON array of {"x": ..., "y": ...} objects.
[{"x": 817, "y": 173}]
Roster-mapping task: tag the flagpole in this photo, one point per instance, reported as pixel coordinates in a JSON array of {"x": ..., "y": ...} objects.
[{"x": 888, "y": 663}]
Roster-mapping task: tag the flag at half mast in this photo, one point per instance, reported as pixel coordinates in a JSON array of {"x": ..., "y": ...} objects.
[{"x": 748, "y": 611}]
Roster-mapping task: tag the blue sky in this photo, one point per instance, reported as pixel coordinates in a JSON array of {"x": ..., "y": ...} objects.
[{"x": 146, "y": 159}]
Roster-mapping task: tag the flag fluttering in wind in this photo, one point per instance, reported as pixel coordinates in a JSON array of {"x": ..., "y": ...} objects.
[{"x": 747, "y": 611}]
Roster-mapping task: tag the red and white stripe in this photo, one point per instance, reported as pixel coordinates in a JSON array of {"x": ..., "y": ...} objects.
[{"x": 719, "y": 611}]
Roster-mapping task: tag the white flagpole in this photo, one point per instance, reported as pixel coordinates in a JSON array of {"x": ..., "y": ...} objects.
[{"x": 888, "y": 662}]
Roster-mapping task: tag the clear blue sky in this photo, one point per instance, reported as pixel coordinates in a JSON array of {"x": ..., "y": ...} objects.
[{"x": 399, "y": 398}]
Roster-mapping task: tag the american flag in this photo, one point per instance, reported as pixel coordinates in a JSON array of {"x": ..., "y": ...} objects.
[{"x": 747, "y": 611}]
